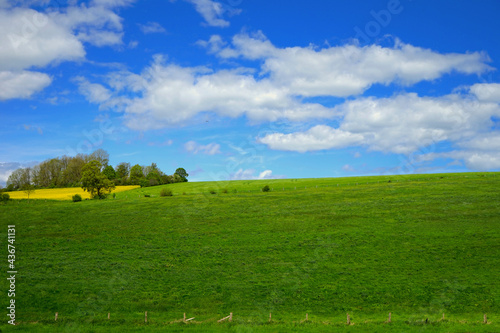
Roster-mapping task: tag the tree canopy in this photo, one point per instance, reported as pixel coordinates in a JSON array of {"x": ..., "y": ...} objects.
[{"x": 94, "y": 181}]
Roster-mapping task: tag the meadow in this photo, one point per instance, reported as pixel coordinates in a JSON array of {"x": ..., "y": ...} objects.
[
  {"x": 415, "y": 246},
  {"x": 62, "y": 193}
]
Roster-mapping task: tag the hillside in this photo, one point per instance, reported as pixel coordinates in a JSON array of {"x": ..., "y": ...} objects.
[{"x": 416, "y": 246}]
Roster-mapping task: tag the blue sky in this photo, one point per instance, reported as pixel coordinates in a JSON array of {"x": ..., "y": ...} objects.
[{"x": 240, "y": 89}]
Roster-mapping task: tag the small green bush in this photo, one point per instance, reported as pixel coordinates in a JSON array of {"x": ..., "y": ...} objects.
[
  {"x": 147, "y": 195},
  {"x": 213, "y": 192},
  {"x": 165, "y": 193},
  {"x": 77, "y": 197},
  {"x": 114, "y": 195},
  {"x": 4, "y": 197},
  {"x": 266, "y": 188},
  {"x": 224, "y": 190}
]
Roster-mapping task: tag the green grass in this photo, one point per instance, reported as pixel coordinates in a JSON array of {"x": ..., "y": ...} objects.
[{"x": 417, "y": 246}]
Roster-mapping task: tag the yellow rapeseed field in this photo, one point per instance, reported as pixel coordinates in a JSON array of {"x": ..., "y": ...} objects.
[{"x": 61, "y": 193}]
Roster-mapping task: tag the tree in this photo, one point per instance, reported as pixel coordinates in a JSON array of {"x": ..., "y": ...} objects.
[
  {"x": 28, "y": 187},
  {"x": 122, "y": 170},
  {"x": 136, "y": 174},
  {"x": 109, "y": 172},
  {"x": 101, "y": 156},
  {"x": 182, "y": 174},
  {"x": 94, "y": 181}
]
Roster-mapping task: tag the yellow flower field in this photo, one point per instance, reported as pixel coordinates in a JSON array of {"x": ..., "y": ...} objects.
[{"x": 61, "y": 193}]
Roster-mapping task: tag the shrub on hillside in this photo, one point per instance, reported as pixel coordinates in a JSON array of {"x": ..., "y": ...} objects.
[
  {"x": 4, "y": 197},
  {"x": 147, "y": 195},
  {"x": 266, "y": 188},
  {"x": 213, "y": 192},
  {"x": 77, "y": 197},
  {"x": 165, "y": 193},
  {"x": 224, "y": 190}
]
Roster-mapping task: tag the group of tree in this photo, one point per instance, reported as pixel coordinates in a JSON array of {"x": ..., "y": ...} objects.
[{"x": 68, "y": 171}]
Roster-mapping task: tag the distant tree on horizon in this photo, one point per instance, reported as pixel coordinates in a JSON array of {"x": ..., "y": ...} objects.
[{"x": 94, "y": 181}]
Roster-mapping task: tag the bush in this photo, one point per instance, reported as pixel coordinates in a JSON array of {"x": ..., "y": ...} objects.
[
  {"x": 77, "y": 197},
  {"x": 266, "y": 188},
  {"x": 4, "y": 197},
  {"x": 224, "y": 190},
  {"x": 212, "y": 192},
  {"x": 165, "y": 193},
  {"x": 147, "y": 195},
  {"x": 114, "y": 195}
]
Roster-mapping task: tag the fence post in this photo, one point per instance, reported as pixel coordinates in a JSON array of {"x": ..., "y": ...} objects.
[
  {"x": 230, "y": 316},
  {"x": 57, "y": 313},
  {"x": 389, "y": 318},
  {"x": 184, "y": 316},
  {"x": 348, "y": 320},
  {"x": 485, "y": 319},
  {"x": 270, "y": 317},
  {"x": 108, "y": 315},
  {"x": 307, "y": 317},
  {"x": 146, "y": 317}
]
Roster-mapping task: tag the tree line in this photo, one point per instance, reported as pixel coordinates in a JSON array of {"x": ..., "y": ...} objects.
[{"x": 68, "y": 171}]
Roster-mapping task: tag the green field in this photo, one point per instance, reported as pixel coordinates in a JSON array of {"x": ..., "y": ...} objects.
[{"x": 416, "y": 246}]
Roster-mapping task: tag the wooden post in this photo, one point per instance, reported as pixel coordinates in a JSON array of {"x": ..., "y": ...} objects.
[
  {"x": 146, "y": 317},
  {"x": 270, "y": 317},
  {"x": 57, "y": 313},
  {"x": 307, "y": 317},
  {"x": 485, "y": 319},
  {"x": 184, "y": 316},
  {"x": 230, "y": 316},
  {"x": 389, "y": 318},
  {"x": 348, "y": 320},
  {"x": 443, "y": 316},
  {"x": 108, "y": 315}
]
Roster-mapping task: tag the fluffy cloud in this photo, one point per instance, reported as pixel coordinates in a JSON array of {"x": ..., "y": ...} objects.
[
  {"x": 21, "y": 84},
  {"x": 213, "y": 12},
  {"x": 401, "y": 125},
  {"x": 487, "y": 92},
  {"x": 195, "y": 148},
  {"x": 349, "y": 69},
  {"x": 34, "y": 39},
  {"x": 169, "y": 94}
]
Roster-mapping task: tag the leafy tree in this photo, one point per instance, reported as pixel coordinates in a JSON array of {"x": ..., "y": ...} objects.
[
  {"x": 136, "y": 174},
  {"x": 109, "y": 172},
  {"x": 94, "y": 181},
  {"x": 182, "y": 174},
  {"x": 122, "y": 170}
]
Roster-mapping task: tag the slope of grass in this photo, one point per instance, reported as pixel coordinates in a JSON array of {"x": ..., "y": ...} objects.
[{"x": 416, "y": 246}]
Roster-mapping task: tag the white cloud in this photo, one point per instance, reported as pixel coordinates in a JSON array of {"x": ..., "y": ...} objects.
[
  {"x": 195, "y": 148},
  {"x": 32, "y": 38},
  {"x": 95, "y": 93},
  {"x": 151, "y": 28},
  {"x": 348, "y": 168},
  {"x": 213, "y": 12},
  {"x": 349, "y": 69},
  {"x": 317, "y": 138},
  {"x": 401, "y": 124},
  {"x": 170, "y": 94},
  {"x": 487, "y": 92},
  {"x": 249, "y": 174},
  {"x": 21, "y": 84}
]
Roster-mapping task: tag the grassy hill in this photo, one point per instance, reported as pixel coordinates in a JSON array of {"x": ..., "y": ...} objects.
[{"x": 416, "y": 246}]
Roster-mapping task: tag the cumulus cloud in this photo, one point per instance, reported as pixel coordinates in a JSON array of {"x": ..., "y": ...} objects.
[
  {"x": 487, "y": 92},
  {"x": 35, "y": 39},
  {"x": 213, "y": 12},
  {"x": 196, "y": 148},
  {"x": 168, "y": 94},
  {"x": 400, "y": 124},
  {"x": 249, "y": 174},
  {"x": 348, "y": 69},
  {"x": 21, "y": 84}
]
